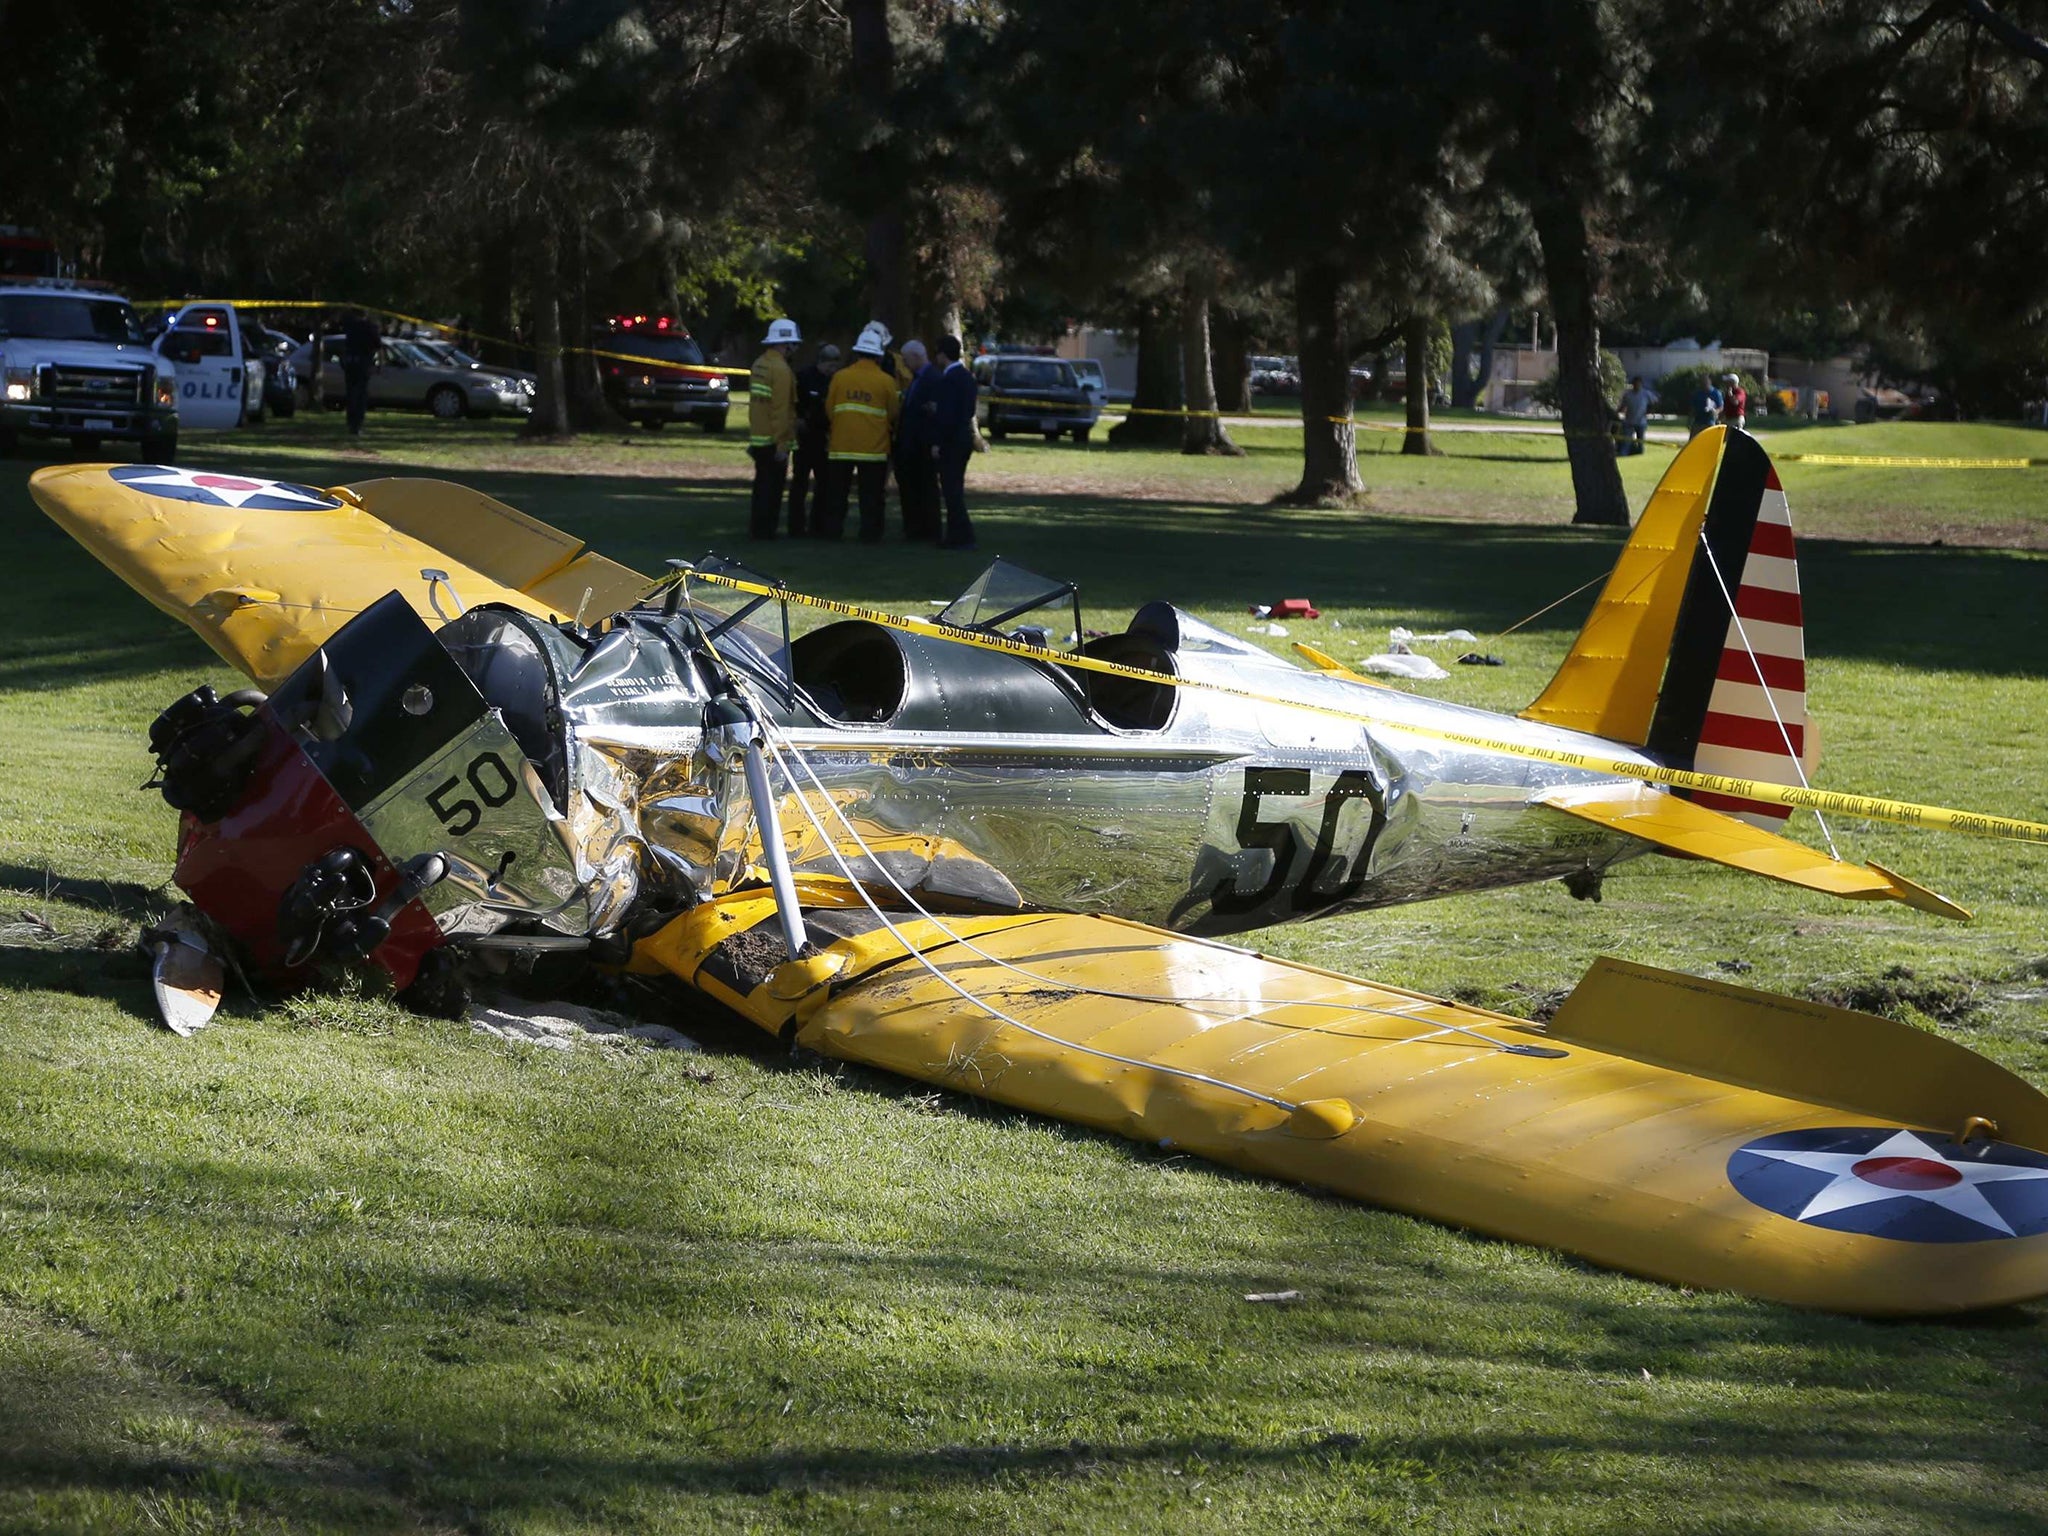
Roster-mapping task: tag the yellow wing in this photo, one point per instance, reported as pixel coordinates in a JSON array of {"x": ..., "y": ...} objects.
[
  {"x": 1610, "y": 1133},
  {"x": 265, "y": 571}
]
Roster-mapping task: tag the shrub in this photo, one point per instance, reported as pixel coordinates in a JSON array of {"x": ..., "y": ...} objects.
[{"x": 1613, "y": 380}]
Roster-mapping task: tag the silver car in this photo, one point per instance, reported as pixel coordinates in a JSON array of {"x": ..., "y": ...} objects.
[
  {"x": 409, "y": 377},
  {"x": 447, "y": 352}
]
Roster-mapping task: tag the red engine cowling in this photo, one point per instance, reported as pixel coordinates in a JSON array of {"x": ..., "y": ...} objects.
[{"x": 241, "y": 868}]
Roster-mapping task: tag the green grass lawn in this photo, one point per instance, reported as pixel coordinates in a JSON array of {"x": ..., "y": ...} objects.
[{"x": 332, "y": 1266}]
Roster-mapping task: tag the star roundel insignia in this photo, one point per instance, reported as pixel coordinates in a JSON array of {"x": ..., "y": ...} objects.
[
  {"x": 211, "y": 488},
  {"x": 1910, "y": 1186}
]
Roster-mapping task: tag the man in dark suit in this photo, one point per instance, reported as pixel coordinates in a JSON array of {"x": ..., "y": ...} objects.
[
  {"x": 952, "y": 429},
  {"x": 917, "y": 477}
]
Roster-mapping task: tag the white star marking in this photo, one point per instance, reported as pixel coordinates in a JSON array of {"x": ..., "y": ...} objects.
[
  {"x": 1960, "y": 1195},
  {"x": 235, "y": 490}
]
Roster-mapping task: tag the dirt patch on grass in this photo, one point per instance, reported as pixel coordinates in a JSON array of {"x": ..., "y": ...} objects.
[{"x": 1899, "y": 991}]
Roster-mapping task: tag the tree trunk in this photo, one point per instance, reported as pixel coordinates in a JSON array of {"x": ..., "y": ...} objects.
[
  {"x": 1464, "y": 341},
  {"x": 1329, "y": 441},
  {"x": 1415, "y": 342},
  {"x": 494, "y": 338},
  {"x": 1159, "y": 383},
  {"x": 1496, "y": 327},
  {"x": 1230, "y": 365},
  {"x": 588, "y": 410},
  {"x": 874, "y": 71},
  {"x": 1571, "y": 270},
  {"x": 550, "y": 395},
  {"x": 1201, "y": 432}
]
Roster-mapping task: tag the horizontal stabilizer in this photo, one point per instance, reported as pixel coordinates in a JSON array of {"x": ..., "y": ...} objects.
[{"x": 1682, "y": 826}]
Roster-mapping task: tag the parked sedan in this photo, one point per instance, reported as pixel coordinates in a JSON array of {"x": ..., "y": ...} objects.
[
  {"x": 407, "y": 377},
  {"x": 1035, "y": 394},
  {"x": 454, "y": 357},
  {"x": 1275, "y": 376}
]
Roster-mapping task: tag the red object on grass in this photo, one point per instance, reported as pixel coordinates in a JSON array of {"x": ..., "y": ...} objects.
[{"x": 1295, "y": 608}]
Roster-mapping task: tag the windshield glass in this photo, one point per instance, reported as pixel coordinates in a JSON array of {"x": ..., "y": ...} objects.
[
  {"x": 1035, "y": 373},
  {"x": 67, "y": 317},
  {"x": 188, "y": 344},
  {"x": 1004, "y": 593},
  {"x": 655, "y": 349},
  {"x": 447, "y": 354},
  {"x": 410, "y": 354},
  {"x": 749, "y": 631}
]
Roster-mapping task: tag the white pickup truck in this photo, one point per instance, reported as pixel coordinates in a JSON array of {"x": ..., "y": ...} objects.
[
  {"x": 73, "y": 364},
  {"x": 76, "y": 366}
]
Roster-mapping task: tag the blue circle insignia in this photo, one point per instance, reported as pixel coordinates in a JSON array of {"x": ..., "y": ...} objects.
[
  {"x": 213, "y": 488},
  {"x": 1910, "y": 1186}
]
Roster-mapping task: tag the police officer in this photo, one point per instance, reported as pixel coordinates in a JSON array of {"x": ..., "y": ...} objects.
[{"x": 359, "y": 344}]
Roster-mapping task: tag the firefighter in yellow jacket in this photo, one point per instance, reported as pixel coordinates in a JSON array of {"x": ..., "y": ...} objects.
[
  {"x": 771, "y": 421},
  {"x": 861, "y": 407}
]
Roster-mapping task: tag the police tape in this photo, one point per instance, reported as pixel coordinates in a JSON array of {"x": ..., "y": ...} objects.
[
  {"x": 1870, "y": 807},
  {"x": 1904, "y": 461},
  {"x": 453, "y": 330}
]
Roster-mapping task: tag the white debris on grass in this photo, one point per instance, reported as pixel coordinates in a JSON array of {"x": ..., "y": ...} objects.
[
  {"x": 1403, "y": 664},
  {"x": 559, "y": 1026},
  {"x": 1399, "y": 639}
]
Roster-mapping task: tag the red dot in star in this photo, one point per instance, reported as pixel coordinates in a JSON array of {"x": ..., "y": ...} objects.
[
  {"x": 1906, "y": 1173},
  {"x": 226, "y": 483}
]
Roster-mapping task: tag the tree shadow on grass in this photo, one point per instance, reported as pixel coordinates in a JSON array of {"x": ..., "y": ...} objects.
[
  {"x": 120, "y": 977},
  {"x": 125, "y": 898},
  {"x": 81, "y": 1426}
]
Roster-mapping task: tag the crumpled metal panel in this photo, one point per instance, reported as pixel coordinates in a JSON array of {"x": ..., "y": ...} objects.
[{"x": 482, "y": 805}]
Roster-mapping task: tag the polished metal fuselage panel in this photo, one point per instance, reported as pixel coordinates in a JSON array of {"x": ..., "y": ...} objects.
[{"x": 1234, "y": 815}]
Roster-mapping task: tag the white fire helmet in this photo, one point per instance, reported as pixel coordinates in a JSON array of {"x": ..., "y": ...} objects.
[
  {"x": 873, "y": 340},
  {"x": 782, "y": 333}
]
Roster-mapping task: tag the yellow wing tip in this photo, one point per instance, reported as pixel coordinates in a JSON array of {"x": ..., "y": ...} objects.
[
  {"x": 1323, "y": 661},
  {"x": 1919, "y": 897}
]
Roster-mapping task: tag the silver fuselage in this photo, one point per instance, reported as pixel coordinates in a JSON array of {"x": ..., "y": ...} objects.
[
  {"x": 1225, "y": 813},
  {"x": 1238, "y": 815}
]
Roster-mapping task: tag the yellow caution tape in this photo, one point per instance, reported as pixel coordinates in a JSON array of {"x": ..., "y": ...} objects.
[
  {"x": 1871, "y": 807},
  {"x": 442, "y": 325},
  {"x": 1899, "y": 461}
]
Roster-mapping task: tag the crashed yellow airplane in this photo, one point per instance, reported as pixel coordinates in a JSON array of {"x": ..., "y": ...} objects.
[{"x": 944, "y": 848}]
